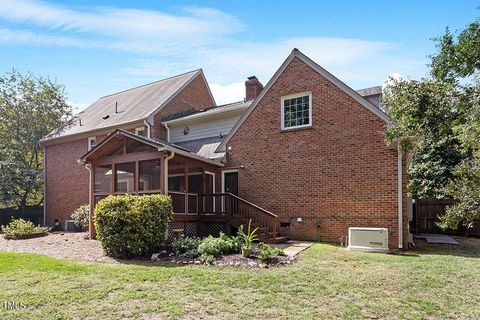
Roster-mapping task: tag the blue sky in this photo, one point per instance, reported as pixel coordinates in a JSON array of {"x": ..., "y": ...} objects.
[{"x": 99, "y": 47}]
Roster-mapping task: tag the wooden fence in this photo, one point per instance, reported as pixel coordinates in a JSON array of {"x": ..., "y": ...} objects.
[{"x": 426, "y": 213}]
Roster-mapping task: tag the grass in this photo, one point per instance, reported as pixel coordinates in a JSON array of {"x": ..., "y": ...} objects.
[{"x": 327, "y": 282}]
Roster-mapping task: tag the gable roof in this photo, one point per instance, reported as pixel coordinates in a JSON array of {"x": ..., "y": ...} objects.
[
  {"x": 126, "y": 107},
  {"x": 297, "y": 54},
  {"x": 156, "y": 143}
]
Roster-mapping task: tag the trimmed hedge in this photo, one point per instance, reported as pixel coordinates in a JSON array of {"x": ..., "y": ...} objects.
[
  {"x": 23, "y": 229},
  {"x": 130, "y": 226}
]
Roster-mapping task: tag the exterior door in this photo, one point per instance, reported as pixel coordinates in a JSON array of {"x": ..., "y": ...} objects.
[{"x": 230, "y": 185}]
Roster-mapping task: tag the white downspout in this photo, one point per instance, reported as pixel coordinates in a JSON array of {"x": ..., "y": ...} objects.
[
  {"x": 400, "y": 197},
  {"x": 165, "y": 171},
  {"x": 168, "y": 131},
  {"x": 44, "y": 187},
  {"x": 90, "y": 204},
  {"x": 149, "y": 129}
]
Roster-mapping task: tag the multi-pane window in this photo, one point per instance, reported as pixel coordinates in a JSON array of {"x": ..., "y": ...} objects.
[
  {"x": 297, "y": 111},
  {"x": 92, "y": 142},
  {"x": 140, "y": 131}
]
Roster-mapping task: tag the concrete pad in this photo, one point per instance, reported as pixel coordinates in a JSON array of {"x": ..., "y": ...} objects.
[
  {"x": 292, "y": 248},
  {"x": 437, "y": 238}
]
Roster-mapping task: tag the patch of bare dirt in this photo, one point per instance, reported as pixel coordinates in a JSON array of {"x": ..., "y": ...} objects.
[{"x": 72, "y": 246}]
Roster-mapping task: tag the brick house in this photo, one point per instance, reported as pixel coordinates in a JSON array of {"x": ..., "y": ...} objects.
[{"x": 303, "y": 157}]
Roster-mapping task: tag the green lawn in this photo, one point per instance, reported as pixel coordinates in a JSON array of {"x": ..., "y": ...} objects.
[{"x": 326, "y": 282}]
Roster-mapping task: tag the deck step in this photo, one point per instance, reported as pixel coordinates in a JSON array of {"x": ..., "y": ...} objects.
[{"x": 277, "y": 240}]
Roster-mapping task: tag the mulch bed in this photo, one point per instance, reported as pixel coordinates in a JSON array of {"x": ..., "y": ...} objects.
[
  {"x": 232, "y": 260},
  {"x": 27, "y": 236}
]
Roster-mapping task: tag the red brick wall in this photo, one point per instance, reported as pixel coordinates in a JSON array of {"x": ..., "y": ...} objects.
[
  {"x": 194, "y": 96},
  {"x": 338, "y": 172},
  {"x": 66, "y": 180}
]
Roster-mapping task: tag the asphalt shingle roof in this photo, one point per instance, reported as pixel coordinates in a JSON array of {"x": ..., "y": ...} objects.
[{"x": 132, "y": 105}]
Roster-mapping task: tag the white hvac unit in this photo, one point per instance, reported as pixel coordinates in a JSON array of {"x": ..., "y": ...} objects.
[{"x": 368, "y": 239}]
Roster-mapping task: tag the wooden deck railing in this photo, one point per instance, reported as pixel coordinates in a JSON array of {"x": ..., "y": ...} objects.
[{"x": 243, "y": 210}]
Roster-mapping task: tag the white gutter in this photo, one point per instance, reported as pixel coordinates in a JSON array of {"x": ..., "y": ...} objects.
[
  {"x": 400, "y": 197},
  {"x": 165, "y": 172},
  {"x": 168, "y": 131},
  {"x": 149, "y": 128}
]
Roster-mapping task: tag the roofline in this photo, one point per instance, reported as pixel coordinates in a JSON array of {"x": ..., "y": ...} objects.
[
  {"x": 370, "y": 91},
  {"x": 69, "y": 137},
  {"x": 147, "y": 84},
  {"x": 156, "y": 144},
  {"x": 330, "y": 77},
  {"x": 205, "y": 114},
  {"x": 151, "y": 114}
]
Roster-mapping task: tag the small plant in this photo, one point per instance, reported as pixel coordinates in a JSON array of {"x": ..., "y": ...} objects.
[
  {"x": 212, "y": 247},
  {"x": 265, "y": 252},
  {"x": 278, "y": 252},
  {"x": 20, "y": 228},
  {"x": 248, "y": 238},
  {"x": 81, "y": 216},
  {"x": 186, "y": 246}
]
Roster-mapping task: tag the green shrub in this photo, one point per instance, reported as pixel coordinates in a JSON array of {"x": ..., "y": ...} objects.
[
  {"x": 130, "y": 226},
  {"x": 265, "y": 252},
  {"x": 212, "y": 247},
  {"x": 81, "y": 216},
  {"x": 20, "y": 228},
  {"x": 186, "y": 246}
]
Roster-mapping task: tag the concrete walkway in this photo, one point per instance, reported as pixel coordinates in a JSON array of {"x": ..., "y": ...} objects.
[
  {"x": 437, "y": 238},
  {"x": 292, "y": 248}
]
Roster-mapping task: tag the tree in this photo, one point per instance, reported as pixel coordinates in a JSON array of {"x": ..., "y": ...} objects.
[
  {"x": 30, "y": 108},
  {"x": 444, "y": 113},
  {"x": 427, "y": 111}
]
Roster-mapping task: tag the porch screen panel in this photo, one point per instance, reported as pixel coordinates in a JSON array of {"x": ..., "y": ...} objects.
[
  {"x": 149, "y": 175},
  {"x": 125, "y": 175},
  {"x": 195, "y": 187},
  {"x": 176, "y": 176},
  {"x": 103, "y": 179},
  {"x": 176, "y": 185}
]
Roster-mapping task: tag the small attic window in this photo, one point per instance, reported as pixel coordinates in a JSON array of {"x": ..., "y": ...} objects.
[
  {"x": 106, "y": 117},
  {"x": 92, "y": 142},
  {"x": 140, "y": 131}
]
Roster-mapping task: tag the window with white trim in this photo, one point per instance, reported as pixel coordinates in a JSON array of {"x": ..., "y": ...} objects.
[
  {"x": 296, "y": 111},
  {"x": 92, "y": 142},
  {"x": 140, "y": 131}
]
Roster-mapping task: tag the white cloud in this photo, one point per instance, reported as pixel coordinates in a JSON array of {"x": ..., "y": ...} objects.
[
  {"x": 139, "y": 30},
  {"x": 228, "y": 93}
]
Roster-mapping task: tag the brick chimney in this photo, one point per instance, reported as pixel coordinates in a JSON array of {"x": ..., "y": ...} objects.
[{"x": 253, "y": 87}]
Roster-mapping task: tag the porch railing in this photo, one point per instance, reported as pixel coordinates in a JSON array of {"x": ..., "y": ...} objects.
[{"x": 240, "y": 209}]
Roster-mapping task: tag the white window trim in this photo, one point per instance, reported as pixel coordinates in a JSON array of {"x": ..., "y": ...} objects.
[
  {"x": 90, "y": 139},
  {"x": 139, "y": 129},
  {"x": 291, "y": 96}
]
